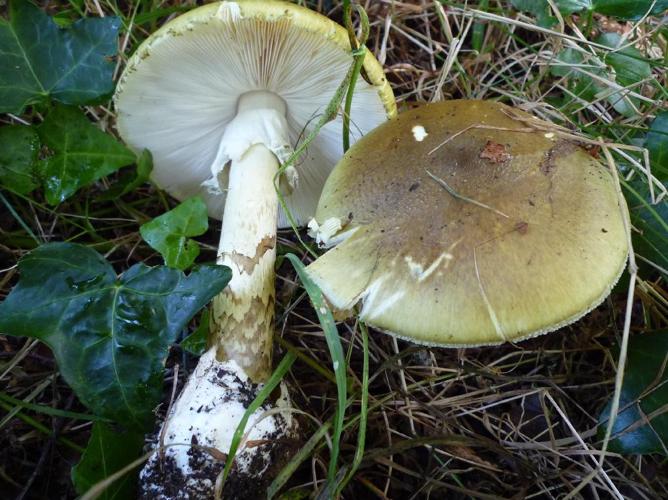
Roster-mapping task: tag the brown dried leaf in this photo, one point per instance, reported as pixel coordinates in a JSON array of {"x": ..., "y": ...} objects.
[{"x": 495, "y": 152}]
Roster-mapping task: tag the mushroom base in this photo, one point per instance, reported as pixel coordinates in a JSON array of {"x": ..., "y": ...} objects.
[{"x": 198, "y": 432}]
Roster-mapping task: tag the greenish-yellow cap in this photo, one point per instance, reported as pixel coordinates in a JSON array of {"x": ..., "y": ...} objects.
[{"x": 470, "y": 223}]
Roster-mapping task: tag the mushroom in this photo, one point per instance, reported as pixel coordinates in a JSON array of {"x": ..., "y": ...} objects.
[
  {"x": 467, "y": 223},
  {"x": 218, "y": 96}
]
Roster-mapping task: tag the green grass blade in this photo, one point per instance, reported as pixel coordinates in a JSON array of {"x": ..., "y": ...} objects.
[
  {"x": 364, "y": 410},
  {"x": 19, "y": 219},
  {"x": 338, "y": 360},
  {"x": 328, "y": 115},
  {"x": 359, "y": 53},
  {"x": 268, "y": 388},
  {"x": 42, "y": 428},
  {"x": 47, "y": 410}
]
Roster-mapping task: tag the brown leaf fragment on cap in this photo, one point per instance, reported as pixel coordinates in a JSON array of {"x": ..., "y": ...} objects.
[
  {"x": 594, "y": 150},
  {"x": 495, "y": 152}
]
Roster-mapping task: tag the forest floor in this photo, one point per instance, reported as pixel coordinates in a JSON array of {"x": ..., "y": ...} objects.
[{"x": 514, "y": 421}]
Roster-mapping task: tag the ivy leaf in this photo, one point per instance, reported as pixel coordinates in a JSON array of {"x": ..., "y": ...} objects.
[
  {"x": 109, "y": 450},
  {"x": 196, "y": 342},
  {"x": 40, "y": 60},
  {"x": 130, "y": 181},
  {"x": 566, "y": 63},
  {"x": 641, "y": 425},
  {"x": 109, "y": 335},
  {"x": 656, "y": 141},
  {"x": 650, "y": 238},
  {"x": 541, "y": 10},
  {"x": 629, "y": 64},
  {"x": 567, "y": 7},
  {"x": 19, "y": 151},
  {"x": 629, "y": 9},
  {"x": 629, "y": 68},
  {"x": 82, "y": 153},
  {"x": 169, "y": 233},
  {"x": 571, "y": 64}
]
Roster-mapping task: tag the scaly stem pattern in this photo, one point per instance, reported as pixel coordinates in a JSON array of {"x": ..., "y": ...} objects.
[{"x": 243, "y": 314}]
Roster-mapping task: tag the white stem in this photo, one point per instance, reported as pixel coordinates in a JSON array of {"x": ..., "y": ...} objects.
[
  {"x": 224, "y": 383},
  {"x": 243, "y": 313}
]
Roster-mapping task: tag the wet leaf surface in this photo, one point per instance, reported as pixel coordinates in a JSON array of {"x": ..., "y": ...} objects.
[
  {"x": 656, "y": 141},
  {"x": 571, "y": 6},
  {"x": 19, "y": 150},
  {"x": 642, "y": 423},
  {"x": 109, "y": 450},
  {"x": 650, "y": 237},
  {"x": 629, "y": 9},
  {"x": 629, "y": 69},
  {"x": 82, "y": 153},
  {"x": 130, "y": 181},
  {"x": 39, "y": 60},
  {"x": 195, "y": 343},
  {"x": 110, "y": 335},
  {"x": 170, "y": 233}
]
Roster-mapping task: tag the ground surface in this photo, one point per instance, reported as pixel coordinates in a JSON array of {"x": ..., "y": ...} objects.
[{"x": 516, "y": 421}]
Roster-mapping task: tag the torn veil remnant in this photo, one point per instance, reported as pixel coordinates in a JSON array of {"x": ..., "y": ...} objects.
[
  {"x": 219, "y": 96},
  {"x": 482, "y": 232}
]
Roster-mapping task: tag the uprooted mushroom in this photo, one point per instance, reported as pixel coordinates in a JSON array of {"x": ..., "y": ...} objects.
[
  {"x": 219, "y": 95},
  {"x": 469, "y": 223}
]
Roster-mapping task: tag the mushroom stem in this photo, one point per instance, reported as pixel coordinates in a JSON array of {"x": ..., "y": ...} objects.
[
  {"x": 229, "y": 375},
  {"x": 242, "y": 319}
]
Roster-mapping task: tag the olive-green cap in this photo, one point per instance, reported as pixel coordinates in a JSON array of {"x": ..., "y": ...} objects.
[{"x": 467, "y": 223}]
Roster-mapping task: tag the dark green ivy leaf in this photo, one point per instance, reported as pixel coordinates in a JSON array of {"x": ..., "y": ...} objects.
[
  {"x": 40, "y": 60},
  {"x": 567, "y": 7},
  {"x": 82, "y": 153},
  {"x": 541, "y": 10},
  {"x": 624, "y": 9},
  {"x": 629, "y": 9},
  {"x": 109, "y": 450},
  {"x": 650, "y": 237},
  {"x": 629, "y": 64},
  {"x": 128, "y": 182},
  {"x": 110, "y": 335},
  {"x": 19, "y": 151},
  {"x": 196, "y": 342},
  {"x": 641, "y": 425},
  {"x": 170, "y": 233},
  {"x": 656, "y": 142},
  {"x": 630, "y": 68},
  {"x": 566, "y": 63}
]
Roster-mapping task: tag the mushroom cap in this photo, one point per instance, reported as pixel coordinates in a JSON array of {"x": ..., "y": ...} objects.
[
  {"x": 180, "y": 89},
  {"x": 516, "y": 233}
]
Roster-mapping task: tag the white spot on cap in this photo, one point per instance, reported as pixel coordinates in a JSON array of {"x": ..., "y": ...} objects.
[
  {"x": 419, "y": 132},
  {"x": 549, "y": 135},
  {"x": 418, "y": 271}
]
